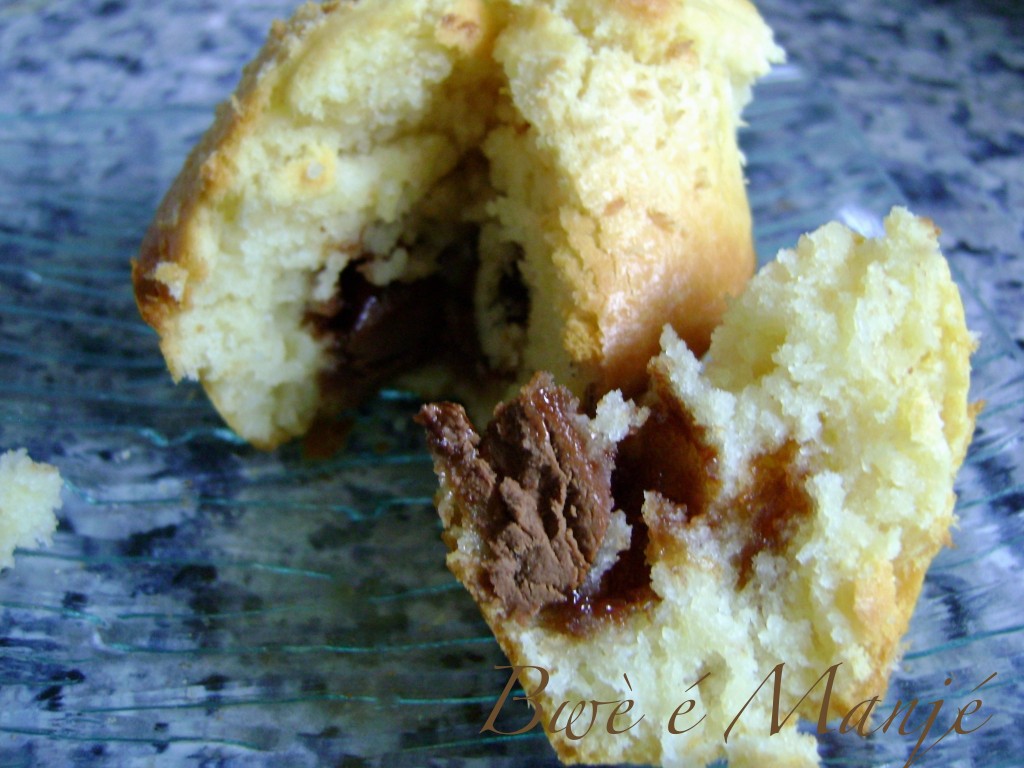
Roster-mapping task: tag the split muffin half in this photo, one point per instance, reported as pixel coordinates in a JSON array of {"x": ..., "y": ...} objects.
[
  {"x": 464, "y": 191},
  {"x": 778, "y": 502}
]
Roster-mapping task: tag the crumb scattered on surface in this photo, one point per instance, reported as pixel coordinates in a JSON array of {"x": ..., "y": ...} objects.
[{"x": 29, "y": 500}]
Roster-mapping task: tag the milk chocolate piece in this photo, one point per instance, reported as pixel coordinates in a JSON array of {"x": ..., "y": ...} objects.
[{"x": 540, "y": 486}]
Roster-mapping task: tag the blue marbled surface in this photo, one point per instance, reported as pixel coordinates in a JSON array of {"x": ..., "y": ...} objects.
[{"x": 160, "y": 630}]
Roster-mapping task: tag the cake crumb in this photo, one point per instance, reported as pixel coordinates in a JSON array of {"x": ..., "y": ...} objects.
[{"x": 29, "y": 499}]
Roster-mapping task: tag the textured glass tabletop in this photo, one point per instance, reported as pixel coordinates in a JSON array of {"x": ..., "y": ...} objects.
[{"x": 205, "y": 601}]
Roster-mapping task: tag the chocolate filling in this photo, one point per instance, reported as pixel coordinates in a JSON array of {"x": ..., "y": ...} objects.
[
  {"x": 771, "y": 508},
  {"x": 666, "y": 455},
  {"x": 670, "y": 456},
  {"x": 540, "y": 493},
  {"x": 539, "y": 488},
  {"x": 377, "y": 332}
]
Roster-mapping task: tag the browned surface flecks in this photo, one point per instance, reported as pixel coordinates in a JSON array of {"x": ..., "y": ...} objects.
[
  {"x": 152, "y": 297},
  {"x": 539, "y": 486}
]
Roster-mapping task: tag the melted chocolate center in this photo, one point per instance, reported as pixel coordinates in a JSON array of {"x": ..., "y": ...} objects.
[{"x": 377, "y": 332}]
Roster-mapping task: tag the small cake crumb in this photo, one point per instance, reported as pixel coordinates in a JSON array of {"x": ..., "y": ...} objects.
[{"x": 29, "y": 500}]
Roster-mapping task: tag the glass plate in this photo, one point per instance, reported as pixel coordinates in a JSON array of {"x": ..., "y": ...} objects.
[{"x": 203, "y": 601}]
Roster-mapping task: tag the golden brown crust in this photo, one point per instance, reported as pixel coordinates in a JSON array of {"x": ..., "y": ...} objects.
[
  {"x": 707, "y": 259},
  {"x": 205, "y": 174}
]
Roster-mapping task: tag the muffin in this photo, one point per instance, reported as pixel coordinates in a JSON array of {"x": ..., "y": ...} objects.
[
  {"x": 460, "y": 193},
  {"x": 777, "y": 502}
]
